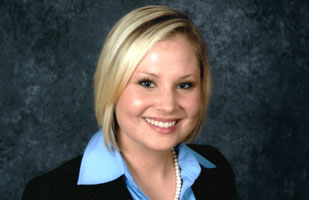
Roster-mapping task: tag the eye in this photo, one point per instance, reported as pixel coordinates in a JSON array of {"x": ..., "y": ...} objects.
[
  {"x": 147, "y": 83},
  {"x": 185, "y": 86}
]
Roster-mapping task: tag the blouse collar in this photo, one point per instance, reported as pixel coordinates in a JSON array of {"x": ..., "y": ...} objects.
[{"x": 99, "y": 165}]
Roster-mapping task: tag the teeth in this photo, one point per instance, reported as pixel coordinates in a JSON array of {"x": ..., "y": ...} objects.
[{"x": 160, "y": 124}]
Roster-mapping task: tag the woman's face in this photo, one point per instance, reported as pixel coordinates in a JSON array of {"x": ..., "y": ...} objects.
[{"x": 161, "y": 103}]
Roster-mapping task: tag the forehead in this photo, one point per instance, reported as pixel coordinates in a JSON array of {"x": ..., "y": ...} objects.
[{"x": 174, "y": 53}]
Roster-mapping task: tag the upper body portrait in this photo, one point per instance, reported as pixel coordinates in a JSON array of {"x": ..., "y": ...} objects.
[{"x": 152, "y": 88}]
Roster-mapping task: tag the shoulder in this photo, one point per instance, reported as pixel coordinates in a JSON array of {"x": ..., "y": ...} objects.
[
  {"x": 214, "y": 183},
  {"x": 61, "y": 184},
  {"x": 61, "y": 179},
  {"x": 212, "y": 154}
]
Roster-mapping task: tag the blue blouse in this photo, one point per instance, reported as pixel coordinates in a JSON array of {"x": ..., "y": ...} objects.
[{"x": 100, "y": 166}]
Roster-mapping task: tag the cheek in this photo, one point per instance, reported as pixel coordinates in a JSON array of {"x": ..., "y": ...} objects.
[
  {"x": 131, "y": 103},
  {"x": 192, "y": 105}
]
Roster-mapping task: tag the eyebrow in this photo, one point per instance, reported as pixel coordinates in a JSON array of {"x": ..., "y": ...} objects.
[{"x": 155, "y": 75}]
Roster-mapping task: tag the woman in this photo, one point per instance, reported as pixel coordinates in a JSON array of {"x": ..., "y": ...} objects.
[{"x": 152, "y": 88}]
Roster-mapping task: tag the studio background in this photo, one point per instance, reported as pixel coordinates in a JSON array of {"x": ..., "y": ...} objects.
[{"x": 258, "y": 116}]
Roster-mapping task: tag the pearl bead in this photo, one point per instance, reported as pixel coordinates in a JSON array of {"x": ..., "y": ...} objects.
[{"x": 178, "y": 178}]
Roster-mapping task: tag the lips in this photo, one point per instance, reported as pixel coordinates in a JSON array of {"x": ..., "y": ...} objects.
[{"x": 161, "y": 124}]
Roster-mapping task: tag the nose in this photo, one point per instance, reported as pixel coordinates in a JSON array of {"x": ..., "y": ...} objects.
[{"x": 167, "y": 101}]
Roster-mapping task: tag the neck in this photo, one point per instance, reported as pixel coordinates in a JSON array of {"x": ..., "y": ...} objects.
[
  {"x": 142, "y": 160},
  {"x": 153, "y": 170}
]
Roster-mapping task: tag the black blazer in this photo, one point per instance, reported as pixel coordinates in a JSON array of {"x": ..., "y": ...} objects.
[{"x": 61, "y": 183}]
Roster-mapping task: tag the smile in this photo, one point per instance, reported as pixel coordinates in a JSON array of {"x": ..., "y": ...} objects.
[{"x": 160, "y": 124}]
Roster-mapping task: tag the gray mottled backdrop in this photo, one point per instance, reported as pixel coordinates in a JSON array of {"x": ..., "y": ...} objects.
[{"x": 258, "y": 115}]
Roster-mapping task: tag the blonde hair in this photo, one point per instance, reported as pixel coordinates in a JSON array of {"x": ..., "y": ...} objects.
[{"x": 126, "y": 45}]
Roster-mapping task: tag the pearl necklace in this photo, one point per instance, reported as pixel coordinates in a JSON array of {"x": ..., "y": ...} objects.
[{"x": 178, "y": 178}]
